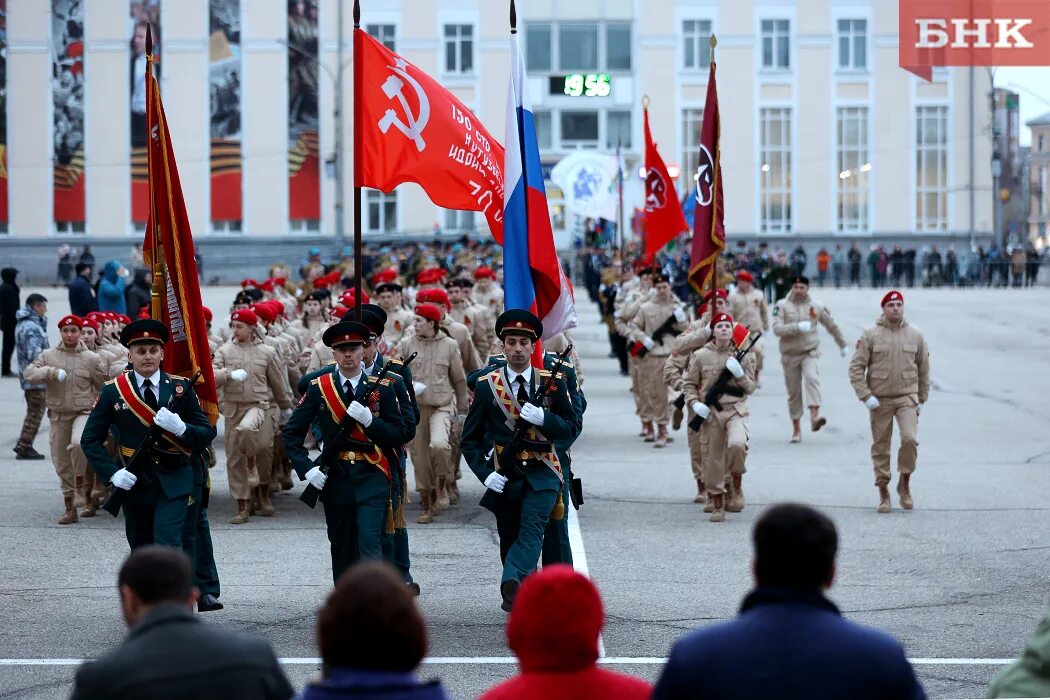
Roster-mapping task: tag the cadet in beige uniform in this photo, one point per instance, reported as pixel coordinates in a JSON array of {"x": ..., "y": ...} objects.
[
  {"x": 675, "y": 369},
  {"x": 441, "y": 392},
  {"x": 634, "y": 292},
  {"x": 748, "y": 306},
  {"x": 477, "y": 321},
  {"x": 398, "y": 318},
  {"x": 486, "y": 292},
  {"x": 890, "y": 371},
  {"x": 663, "y": 316},
  {"x": 457, "y": 331},
  {"x": 251, "y": 378},
  {"x": 723, "y": 435},
  {"x": 74, "y": 376},
  {"x": 795, "y": 319},
  {"x": 698, "y": 332}
]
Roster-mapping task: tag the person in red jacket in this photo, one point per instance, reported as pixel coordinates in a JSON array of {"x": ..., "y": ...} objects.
[{"x": 558, "y": 653}]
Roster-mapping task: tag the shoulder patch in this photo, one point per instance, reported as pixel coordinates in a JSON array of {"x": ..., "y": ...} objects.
[{"x": 387, "y": 381}]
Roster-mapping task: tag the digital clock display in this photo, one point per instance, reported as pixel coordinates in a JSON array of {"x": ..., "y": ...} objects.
[{"x": 581, "y": 85}]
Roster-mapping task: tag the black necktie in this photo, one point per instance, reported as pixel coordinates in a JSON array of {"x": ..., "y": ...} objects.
[
  {"x": 523, "y": 393},
  {"x": 348, "y": 389},
  {"x": 147, "y": 394}
]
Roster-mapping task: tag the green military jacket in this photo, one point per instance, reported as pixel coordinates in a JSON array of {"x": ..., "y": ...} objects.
[
  {"x": 486, "y": 429},
  {"x": 391, "y": 428},
  {"x": 112, "y": 413}
]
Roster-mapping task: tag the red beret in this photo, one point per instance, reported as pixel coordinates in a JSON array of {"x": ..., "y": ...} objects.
[
  {"x": 321, "y": 283},
  {"x": 90, "y": 323},
  {"x": 125, "y": 319},
  {"x": 721, "y": 318},
  {"x": 97, "y": 316},
  {"x": 744, "y": 276},
  {"x": 112, "y": 316},
  {"x": 245, "y": 316},
  {"x": 349, "y": 296},
  {"x": 484, "y": 272},
  {"x": 387, "y": 275},
  {"x": 279, "y": 281},
  {"x": 437, "y": 296},
  {"x": 267, "y": 286},
  {"x": 338, "y": 311},
  {"x": 265, "y": 312},
  {"x": 70, "y": 320},
  {"x": 278, "y": 305},
  {"x": 245, "y": 283},
  {"x": 428, "y": 311},
  {"x": 720, "y": 293},
  {"x": 144, "y": 312},
  {"x": 207, "y": 314},
  {"x": 541, "y": 646},
  {"x": 892, "y": 295}
]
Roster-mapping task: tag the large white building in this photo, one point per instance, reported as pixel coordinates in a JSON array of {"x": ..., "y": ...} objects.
[{"x": 823, "y": 135}]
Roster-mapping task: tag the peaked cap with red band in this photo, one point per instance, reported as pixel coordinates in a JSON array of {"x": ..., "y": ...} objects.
[
  {"x": 345, "y": 333},
  {"x": 144, "y": 330},
  {"x": 518, "y": 322}
]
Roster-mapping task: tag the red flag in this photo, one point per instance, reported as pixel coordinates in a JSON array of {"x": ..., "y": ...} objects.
[
  {"x": 167, "y": 227},
  {"x": 709, "y": 231},
  {"x": 663, "y": 215},
  {"x": 408, "y": 128}
]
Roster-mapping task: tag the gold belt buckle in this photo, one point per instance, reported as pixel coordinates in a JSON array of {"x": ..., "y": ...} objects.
[{"x": 523, "y": 454}]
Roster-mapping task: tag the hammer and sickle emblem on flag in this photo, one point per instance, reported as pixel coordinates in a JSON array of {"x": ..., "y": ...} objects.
[
  {"x": 392, "y": 88},
  {"x": 657, "y": 190},
  {"x": 705, "y": 177}
]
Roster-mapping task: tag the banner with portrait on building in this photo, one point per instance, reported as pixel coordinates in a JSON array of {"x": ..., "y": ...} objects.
[
  {"x": 3, "y": 116},
  {"x": 224, "y": 88},
  {"x": 304, "y": 164},
  {"x": 141, "y": 13},
  {"x": 67, "y": 91}
]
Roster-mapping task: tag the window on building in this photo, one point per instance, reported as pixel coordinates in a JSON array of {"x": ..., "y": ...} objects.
[
  {"x": 617, "y": 129},
  {"x": 618, "y": 46},
  {"x": 692, "y": 124},
  {"x": 853, "y": 44},
  {"x": 578, "y": 46},
  {"x": 381, "y": 211},
  {"x": 696, "y": 47},
  {"x": 68, "y": 228},
  {"x": 1040, "y": 149},
  {"x": 544, "y": 130},
  {"x": 931, "y": 168},
  {"x": 775, "y": 190},
  {"x": 304, "y": 225},
  {"x": 459, "y": 48},
  {"x": 538, "y": 46},
  {"x": 383, "y": 33},
  {"x": 776, "y": 44},
  {"x": 226, "y": 226},
  {"x": 456, "y": 220},
  {"x": 579, "y": 129},
  {"x": 853, "y": 169},
  {"x": 1044, "y": 196}
]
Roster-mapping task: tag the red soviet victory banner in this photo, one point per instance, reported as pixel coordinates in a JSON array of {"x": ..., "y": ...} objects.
[
  {"x": 663, "y": 214},
  {"x": 709, "y": 231},
  {"x": 169, "y": 243},
  {"x": 410, "y": 129}
]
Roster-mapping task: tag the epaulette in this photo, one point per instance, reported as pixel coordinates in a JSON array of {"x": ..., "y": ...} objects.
[
  {"x": 372, "y": 379},
  {"x": 329, "y": 363},
  {"x": 543, "y": 372},
  {"x": 395, "y": 361},
  {"x": 387, "y": 381},
  {"x": 111, "y": 381},
  {"x": 315, "y": 380}
]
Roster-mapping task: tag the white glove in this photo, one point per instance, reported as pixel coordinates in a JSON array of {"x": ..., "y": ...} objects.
[
  {"x": 532, "y": 413},
  {"x": 872, "y": 403},
  {"x": 733, "y": 365},
  {"x": 419, "y": 387},
  {"x": 286, "y": 413},
  {"x": 360, "y": 413},
  {"x": 123, "y": 479},
  {"x": 239, "y": 375},
  {"x": 317, "y": 478},
  {"x": 701, "y": 409},
  {"x": 60, "y": 375},
  {"x": 648, "y": 342},
  {"x": 170, "y": 421},
  {"x": 679, "y": 315},
  {"x": 843, "y": 352},
  {"x": 918, "y": 409},
  {"x": 805, "y": 326},
  {"x": 496, "y": 482}
]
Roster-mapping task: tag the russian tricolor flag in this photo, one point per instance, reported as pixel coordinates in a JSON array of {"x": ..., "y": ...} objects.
[{"x": 532, "y": 275}]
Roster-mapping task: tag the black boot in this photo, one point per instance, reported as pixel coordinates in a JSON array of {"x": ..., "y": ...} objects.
[{"x": 208, "y": 603}]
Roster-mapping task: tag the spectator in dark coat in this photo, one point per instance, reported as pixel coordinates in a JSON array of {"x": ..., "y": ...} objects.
[
  {"x": 169, "y": 654},
  {"x": 789, "y": 641},
  {"x": 372, "y": 639},
  {"x": 82, "y": 299},
  {"x": 10, "y": 303},
  {"x": 86, "y": 257},
  {"x": 138, "y": 292}
]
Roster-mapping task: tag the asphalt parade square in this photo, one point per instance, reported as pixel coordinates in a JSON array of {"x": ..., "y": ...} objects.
[{"x": 960, "y": 580}]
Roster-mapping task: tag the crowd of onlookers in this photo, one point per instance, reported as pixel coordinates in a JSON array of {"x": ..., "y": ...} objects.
[{"x": 788, "y": 641}]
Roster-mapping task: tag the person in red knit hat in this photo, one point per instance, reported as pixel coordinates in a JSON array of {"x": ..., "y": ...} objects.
[{"x": 560, "y": 660}]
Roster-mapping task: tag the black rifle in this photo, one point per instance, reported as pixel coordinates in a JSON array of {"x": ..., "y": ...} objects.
[
  {"x": 490, "y": 499},
  {"x": 152, "y": 439},
  {"x": 326, "y": 460},
  {"x": 721, "y": 387},
  {"x": 666, "y": 328}
]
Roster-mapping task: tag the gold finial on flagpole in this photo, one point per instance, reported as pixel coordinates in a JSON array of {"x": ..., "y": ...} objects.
[
  {"x": 645, "y": 102},
  {"x": 713, "y": 42}
]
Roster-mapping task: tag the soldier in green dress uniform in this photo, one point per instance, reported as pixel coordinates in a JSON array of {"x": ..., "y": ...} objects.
[
  {"x": 530, "y": 477},
  {"x": 358, "y": 492},
  {"x": 129, "y": 405}
]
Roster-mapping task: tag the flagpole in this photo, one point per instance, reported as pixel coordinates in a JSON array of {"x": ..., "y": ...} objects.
[
  {"x": 357, "y": 160},
  {"x": 619, "y": 206},
  {"x": 713, "y": 42},
  {"x": 157, "y": 250}
]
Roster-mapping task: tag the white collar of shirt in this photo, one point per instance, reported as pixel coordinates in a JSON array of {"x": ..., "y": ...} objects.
[
  {"x": 343, "y": 379},
  {"x": 512, "y": 376},
  {"x": 368, "y": 370},
  {"x": 154, "y": 380}
]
